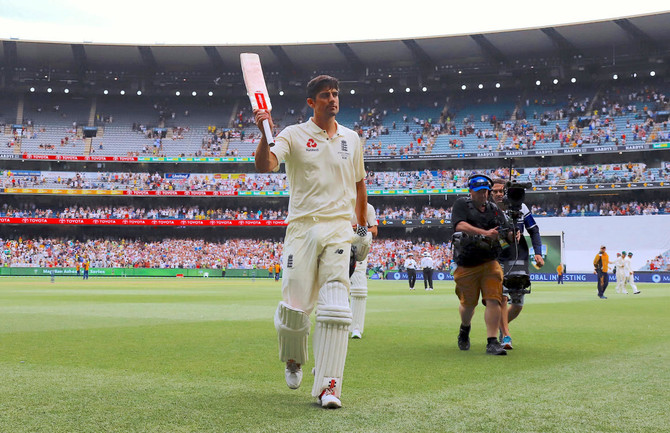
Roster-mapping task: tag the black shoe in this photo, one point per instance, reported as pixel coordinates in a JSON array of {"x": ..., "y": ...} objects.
[
  {"x": 464, "y": 339},
  {"x": 494, "y": 348},
  {"x": 603, "y": 297}
]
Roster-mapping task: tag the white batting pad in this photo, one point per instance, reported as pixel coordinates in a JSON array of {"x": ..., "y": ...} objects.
[
  {"x": 359, "y": 297},
  {"x": 292, "y": 330},
  {"x": 331, "y": 336}
]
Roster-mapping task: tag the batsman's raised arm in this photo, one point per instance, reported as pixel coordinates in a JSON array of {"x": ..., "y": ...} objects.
[{"x": 265, "y": 161}]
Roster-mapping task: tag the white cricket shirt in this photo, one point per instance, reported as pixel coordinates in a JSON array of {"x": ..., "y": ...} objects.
[{"x": 322, "y": 172}]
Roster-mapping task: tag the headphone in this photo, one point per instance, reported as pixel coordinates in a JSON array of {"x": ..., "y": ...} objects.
[{"x": 479, "y": 181}]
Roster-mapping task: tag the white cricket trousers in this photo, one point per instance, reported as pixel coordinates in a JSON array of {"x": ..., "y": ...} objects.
[{"x": 316, "y": 251}]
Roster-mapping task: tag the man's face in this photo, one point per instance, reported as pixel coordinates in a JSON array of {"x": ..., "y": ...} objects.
[
  {"x": 498, "y": 192},
  {"x": 326, "y": 103},
  {"x": 479, "y": 197}
]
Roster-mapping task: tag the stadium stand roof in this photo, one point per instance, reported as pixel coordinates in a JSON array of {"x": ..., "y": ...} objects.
[{"x": 587, "y": 50}]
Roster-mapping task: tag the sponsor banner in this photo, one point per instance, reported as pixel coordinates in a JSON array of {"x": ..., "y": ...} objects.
[
  {"x": 402, "y": 275},
  {"x": 79, "y": 158},
  {"x": 609, "y": 148},
  {"x": 177, "y": 176},
  {"x": 119, "y": 192},
  {"x": 640, "y": 277},
  {"x": 143, "y": 222},
  {"x": 27, "y": 173},
  {"x": 418, "y": 191},
  {"x": 114, "y": 272},
  {"x": 263, "y": 193},
  {"x": 374, "y": 192},
  {"x": 599, "y": 186},
  {"x": 415, "y": 222}
]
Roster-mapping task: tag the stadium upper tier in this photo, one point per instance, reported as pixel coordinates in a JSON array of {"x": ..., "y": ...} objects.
[
  {"x": 17, "y": 181},
  {"x": 391, "y": 126}
]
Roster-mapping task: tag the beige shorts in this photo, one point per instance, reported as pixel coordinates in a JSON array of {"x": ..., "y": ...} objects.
[
  {"x": 486, "y": 279},
  {"x": 315, "y": 252}
]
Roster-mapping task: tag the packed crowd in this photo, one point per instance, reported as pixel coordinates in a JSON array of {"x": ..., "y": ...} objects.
[
  {"x": 123, "y": 253},
  {"x": 190, "y": 253},
  {"x": 383, "y": 213},
  {"x": 658, "y": 263},
  {"x": 603, "y": 209},
  {"x": 411, "y": 179},
  {"x": 599, "y": 120},
  {"x": 132, "y": 212},
  {"x": 390, "y": 254},
  {"x": 385, "y": 255}
]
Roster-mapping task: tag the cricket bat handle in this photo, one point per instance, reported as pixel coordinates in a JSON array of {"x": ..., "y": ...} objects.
[{"x": 268, "y": 133}]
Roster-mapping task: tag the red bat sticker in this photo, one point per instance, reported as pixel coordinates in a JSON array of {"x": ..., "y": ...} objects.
[{"x": 260, "y": 100}]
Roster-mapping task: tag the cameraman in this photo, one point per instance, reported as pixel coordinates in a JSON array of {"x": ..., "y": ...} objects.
[
  {"x": 516, "y": 256},
  {"x": 476, "y": 248}
]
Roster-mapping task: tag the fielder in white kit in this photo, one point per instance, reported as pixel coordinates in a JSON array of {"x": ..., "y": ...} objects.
[
  {"x": 620, "y": 273},
  {"x": 359, "y": 280},
  {"x": 629, "y": 273},
  {"x": 326, "y": 175}
]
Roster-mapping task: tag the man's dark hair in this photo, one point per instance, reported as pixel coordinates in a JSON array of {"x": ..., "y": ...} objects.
[
  {"x": 320, "y": 83},
  {"x": 499, "y": 181}
]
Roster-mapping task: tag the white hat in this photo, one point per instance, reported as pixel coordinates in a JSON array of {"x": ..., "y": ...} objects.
[
  {"x": 410, "y": 254},
  {"x": 426, "y": 254}
]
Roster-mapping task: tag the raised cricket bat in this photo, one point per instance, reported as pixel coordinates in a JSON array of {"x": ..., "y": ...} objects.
[{"x": 256, "y": 88}]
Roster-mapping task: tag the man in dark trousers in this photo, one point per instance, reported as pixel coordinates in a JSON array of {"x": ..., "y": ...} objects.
[
  {"x": 427, "y": 266},
  {"x": 410, "y": 265},
  {"x": 601, "y": 263}
]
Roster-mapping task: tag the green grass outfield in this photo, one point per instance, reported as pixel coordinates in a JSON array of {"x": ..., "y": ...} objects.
[{"x": 200, "y": 355}]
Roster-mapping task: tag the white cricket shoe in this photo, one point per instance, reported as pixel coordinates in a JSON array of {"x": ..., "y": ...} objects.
[
  {"x": 327, "y": 399},
  {"x": 293, "y": 374},
  {"x": 356, "y": 334}
]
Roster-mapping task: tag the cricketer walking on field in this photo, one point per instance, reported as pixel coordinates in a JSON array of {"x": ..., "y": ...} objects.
[{"x": 326, "y": 175}]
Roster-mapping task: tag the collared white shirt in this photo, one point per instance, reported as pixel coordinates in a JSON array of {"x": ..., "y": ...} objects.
[
  {"x": 410, "y": 264},
  {"x": 627, "y": 265},
  {"x": 322, "y": 172},
  {"x": 426, "y": 262}
]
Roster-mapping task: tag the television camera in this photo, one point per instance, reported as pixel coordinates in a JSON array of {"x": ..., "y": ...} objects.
[{"x": 514, "y": 259}]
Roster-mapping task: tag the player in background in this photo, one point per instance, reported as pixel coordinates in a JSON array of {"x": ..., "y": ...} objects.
[
  {"x": 410, "y": 265},
  {"x": 513, "y": 301},
  {"x": 277, "y": 267},
  {"x": 629, "y": 275},
  {"x": 427, "y": 265},
  {"x": 326, "y": 175},
  {"x": 601, "y": 263},
  {"x": 619, "y": 271},
  {"x": 359, "y": 280}
]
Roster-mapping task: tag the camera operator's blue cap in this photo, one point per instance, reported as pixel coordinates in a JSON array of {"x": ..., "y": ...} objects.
[{"x": 479, "y": 182}]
